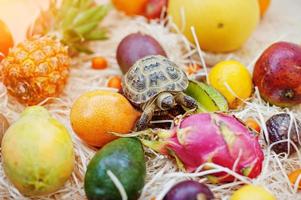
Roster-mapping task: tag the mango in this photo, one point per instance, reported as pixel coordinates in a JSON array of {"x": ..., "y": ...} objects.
[{"x": 37, "y": 152}]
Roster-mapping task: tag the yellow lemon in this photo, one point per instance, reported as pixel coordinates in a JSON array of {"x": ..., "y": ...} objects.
[
  {"x": 252, "y": 192},
  {"x": 233, "y": 80},
  {"x": 221, "y": 25}
]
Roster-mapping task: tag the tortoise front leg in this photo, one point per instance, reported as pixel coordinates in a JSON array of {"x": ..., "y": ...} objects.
[
  {"x": 145, "y": 118},
  {"x": 186, "y": 101}
]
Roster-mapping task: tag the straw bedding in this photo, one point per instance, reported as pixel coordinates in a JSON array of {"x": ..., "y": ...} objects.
[{"x": 283, "y": 22}]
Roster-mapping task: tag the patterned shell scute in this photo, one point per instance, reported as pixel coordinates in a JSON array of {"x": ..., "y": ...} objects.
[{"x": 151, "y": 75}]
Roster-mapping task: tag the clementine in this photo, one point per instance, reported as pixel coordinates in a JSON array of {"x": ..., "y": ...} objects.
[
  {"x": 95, "y": 115},
  {"x": 6, "y": 40}
]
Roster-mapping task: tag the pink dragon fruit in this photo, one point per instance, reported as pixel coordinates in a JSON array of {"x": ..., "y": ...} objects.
[{"x": 215, "y": 138}]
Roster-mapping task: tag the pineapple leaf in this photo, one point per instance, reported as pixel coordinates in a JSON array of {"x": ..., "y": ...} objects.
[
  {"x": 68, "y": 19},
  {"x": 65, "y": 6},
  {"x": 70, "y": 36},
  {"x": 103, "y": 11},
  {"x": 96, "y": 35},
  {"x": 86, "y": 28},
  {"x": 82, "y": 49},
  {"x": 84, "y": 4},
  {"x": 85, "y": 16}
]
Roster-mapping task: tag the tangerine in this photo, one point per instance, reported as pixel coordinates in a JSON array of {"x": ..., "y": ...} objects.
[{"x": 95, "y": 115}]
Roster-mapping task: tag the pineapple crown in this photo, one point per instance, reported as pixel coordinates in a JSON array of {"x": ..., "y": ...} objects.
[{"x": 74, "y": 22}]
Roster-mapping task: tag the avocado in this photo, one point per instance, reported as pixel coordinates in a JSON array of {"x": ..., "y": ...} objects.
[{"x": 124, "y": 157}]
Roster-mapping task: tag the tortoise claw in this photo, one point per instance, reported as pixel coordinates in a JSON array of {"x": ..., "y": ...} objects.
[{"x": 145, "y": 118}]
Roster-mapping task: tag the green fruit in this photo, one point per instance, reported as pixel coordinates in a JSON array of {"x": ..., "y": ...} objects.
[
  {"x": 208, "y": 98},
  {"x": 125, "y": 159},
  {"x": 37, "y": 153}
]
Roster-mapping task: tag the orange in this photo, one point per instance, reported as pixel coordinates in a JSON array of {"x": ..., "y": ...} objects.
[
  {"x": 263, "y": 5},
  {"x": 6, "y": 39},
  {"x": 130, "y": 7},
  {"x": 293, "y": 177},
  {"x": 94, "y": 115}
]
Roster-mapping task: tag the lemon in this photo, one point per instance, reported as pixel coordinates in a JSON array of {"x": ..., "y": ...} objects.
[
  {"x": 252, "y": 192},
  {"x": 233, "y": 80},
  {"x": 221, "y": 25}
]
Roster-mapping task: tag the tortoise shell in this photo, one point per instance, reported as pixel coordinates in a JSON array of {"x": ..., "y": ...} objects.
[{"x": 150, "y": 76}]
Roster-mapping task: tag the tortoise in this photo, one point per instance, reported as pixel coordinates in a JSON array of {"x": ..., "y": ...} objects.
[{"x": 154, "y": 83}]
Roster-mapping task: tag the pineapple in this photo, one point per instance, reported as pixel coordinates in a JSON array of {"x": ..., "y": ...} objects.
[{"x": 38, "y": 68}]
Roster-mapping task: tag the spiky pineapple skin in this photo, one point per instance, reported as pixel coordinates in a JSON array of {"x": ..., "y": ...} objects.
[{"x": 36, "y": 69}]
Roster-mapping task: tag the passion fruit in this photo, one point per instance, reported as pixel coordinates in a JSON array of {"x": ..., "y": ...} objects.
[
  {"x": 136, "y": 46},
  {"x": 278, "y": 127},
  {"x": 189, "y": 190}
]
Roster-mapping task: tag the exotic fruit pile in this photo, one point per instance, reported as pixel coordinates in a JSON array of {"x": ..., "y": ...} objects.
[{"x": 164, "y": 100}]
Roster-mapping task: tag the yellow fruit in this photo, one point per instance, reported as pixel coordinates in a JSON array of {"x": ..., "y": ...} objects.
[
  {"x": 95, "y": 114},
  {"x": 235, "y": 75},
  {"x": 37, "y": 153},
  {"x": 36, "y": 69},
  {"x": 221, "y": 25},
  {"x": 252, "y": 192}
]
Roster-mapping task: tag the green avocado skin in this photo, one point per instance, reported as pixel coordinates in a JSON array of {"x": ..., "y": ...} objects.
[{"x": 125, "y": 158}]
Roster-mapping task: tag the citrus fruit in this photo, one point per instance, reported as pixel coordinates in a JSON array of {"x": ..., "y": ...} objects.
[
  {"x": 293, "y": 177},
  {"x": 218, "y": 24},
  {"x": 252, "y": 192},
  {"x": 132, "y": 7},
  {"x": 94, "y": 115},
  {"x": 263, "y": 5},
  {"x": 6, "y": 40},
  {"x": 233, "y": 80}
]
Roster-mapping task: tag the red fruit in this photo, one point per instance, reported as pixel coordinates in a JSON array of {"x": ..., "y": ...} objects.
[
  {"x": 134, "y": 47},
  {"x": 212, "y": 138},
  {"x": 277, "y": 74},
  {"x": 154, "y": 8}
]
